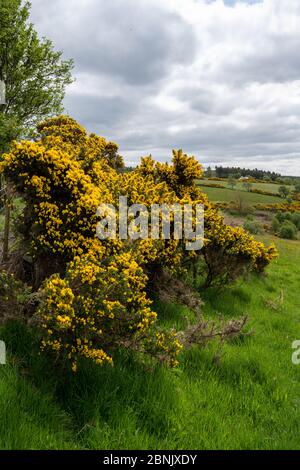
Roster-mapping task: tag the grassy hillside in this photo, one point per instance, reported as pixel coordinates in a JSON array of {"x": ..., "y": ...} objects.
[
  {"x": 249, "y": 399},
  {"x": 269, "y": 187},
  {"x": 227, "y": 195}
]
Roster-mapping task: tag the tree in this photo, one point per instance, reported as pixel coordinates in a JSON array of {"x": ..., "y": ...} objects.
[
  {"x": 248, "y": 186},
  {"x": 208, "y": 172},
  {"x": 240, "y": 203},
  {"x": 231, "y": 181},
  {"x": 110, "y": 152},
  {"x": 34, "y": 74},
  {"x": 284, "y": 191},
  {"x": 297, "y": 188}
]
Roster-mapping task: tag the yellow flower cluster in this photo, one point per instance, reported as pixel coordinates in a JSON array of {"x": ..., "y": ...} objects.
[
  {"x": 180, "y": 176},
  {"x": 100, "y": 302}
]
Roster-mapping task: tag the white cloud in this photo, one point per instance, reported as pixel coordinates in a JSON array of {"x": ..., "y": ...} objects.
[{"x": 220, "y": 81}]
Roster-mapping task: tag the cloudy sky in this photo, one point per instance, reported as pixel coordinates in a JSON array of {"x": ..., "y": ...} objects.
[{"x": 220, "y": 79}]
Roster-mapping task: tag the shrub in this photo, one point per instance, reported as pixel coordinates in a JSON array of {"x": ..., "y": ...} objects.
[
  {"x": 276, "y": 225},
  {"x": 83, "y": 316},
  {"x": 240, "y": 204},
  {"x": 253, "y": 226},
  {"x": 265, "y": 193},
  {"x": 284, "y": 191},
  {"x": 14, "y": 297},
  {"x": 212, "y": 185},
  {"x": 95, "y": 294},
  {"x": 288, "y": 230},
  {"x": 280, "y": 217},
  {"x": 296, "y": 219},
  {"x": 287, "y": 216},
  {"x": 215, "y": 178}
]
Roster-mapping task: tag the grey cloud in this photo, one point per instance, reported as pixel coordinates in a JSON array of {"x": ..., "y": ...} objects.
[
  {"x": 131, "y": 40},
  {"x": 206, "y": 100},
  {"x": 99, "y": 112},
  {"x": 223, "y": 142},
  {"x": 276, "y": 60},
  {"x": 141, "y": 57}
]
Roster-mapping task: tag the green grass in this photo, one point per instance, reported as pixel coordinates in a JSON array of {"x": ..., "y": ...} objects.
[
  {"x": 269, "y": 187},
  {"x": 249, "y": 400},
  {"x": 228, "y": 195}
]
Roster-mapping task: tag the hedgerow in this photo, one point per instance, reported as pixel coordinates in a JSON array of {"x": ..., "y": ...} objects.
[
  {"x": 212, "y": 185},
  {"x": 264, "y": 193},
  {"x": 94, "y": 296},
  {"x": 293, "y": 206}
]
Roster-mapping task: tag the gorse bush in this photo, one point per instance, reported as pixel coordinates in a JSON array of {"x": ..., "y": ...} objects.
[
  {"x": 94, "y": 295},
  {"x": 265, "y": 193},
  {"x": 292, "y": 206},
  {"x": 98, "y": 306}
]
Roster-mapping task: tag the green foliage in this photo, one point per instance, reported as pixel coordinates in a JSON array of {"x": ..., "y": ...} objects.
[
  {"x": 35, "y": 75},
  {"x": 232, "y": 181},
  {"x": 282, "y": 216},
  {"x": 224, "y": 172},
  {"x": 8, "y": 131},
  {"x": 253, "y": 226},
  {"x": 284, "y": 191},
  {"x": 14, "y": 297},
  {"x": 247, "y": 185},
  {"x": 264, "y": 192},
  {"x": 286, "y": 224},
  {"x": 241, "y": 205},
  {"x": 296, "y": 219},
  {"x": 276, "y": 225},
  {"x": 288, "y": 230}
]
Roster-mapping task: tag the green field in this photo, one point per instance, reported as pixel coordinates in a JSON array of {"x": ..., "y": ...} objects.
[
  {"x": 269, "y": 187},
  {"x": 248, "y": 400},
  {"x": 228, "y": 195}
]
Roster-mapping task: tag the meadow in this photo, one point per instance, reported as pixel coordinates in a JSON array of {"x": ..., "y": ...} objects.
[
  {"x": 244, "y": 395},
  {"x": 269, "y": 187},
  {"x": 228, "y": 195}
]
